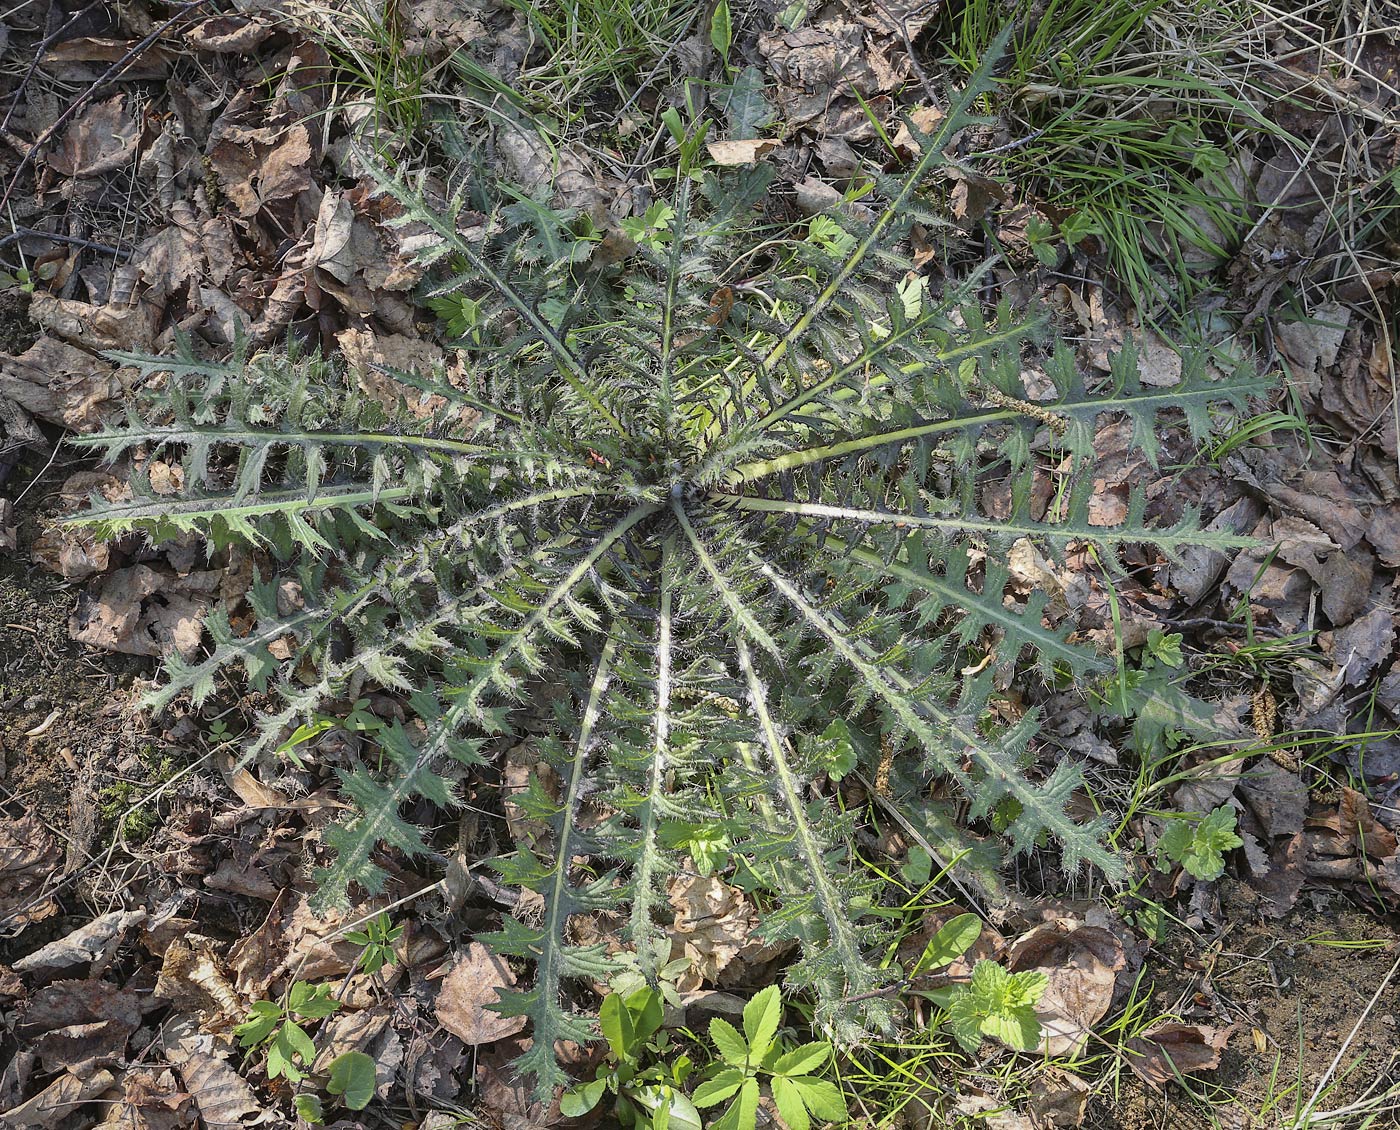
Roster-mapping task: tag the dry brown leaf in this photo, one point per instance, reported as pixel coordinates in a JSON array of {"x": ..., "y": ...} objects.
[
  {"x": 1361, "y": 646},
  {"x": 1159, "y": 365},
  {"x": 1207, "y": 786},
  {"x": 365, "y": 352},
  {"x": 1081, "y": 963},
  {"x": 713, "y": 929},
  {"x": 1165, "y": 1051},
  {"x": 60, "y": 383},
  {"x": 228, "y": 35},
  {"x": 248, "y": 788},
  {"x": 731, "y": 153},
  {"x": 29, "y": 857},
  {"x": 150, "y": 1100},
  {"x": 819, "y": 67},
  {"x": 144, "y": 611},
  {"x": 56, "y": 1105},
  {"x": 74, "y": 554},
  {"x": 972, "y": 196},
  {"x": 1280, "y": 886},
  {"x": 1058, "y": 1100},
  {"x": 85, "y": 944},
  {"x": 193, "y": 978},
  {"x": 1351, "y": 830},
  {"x": 258, "y": 165},
  {"x": 470, "y": 985},
  {"x": 78, "y": 1025},
  {"x": 129, "y": 325},
  {"x": 100, "y": 139},
  {"x": 1278, "y": 798},
  {"x": 87, "y": 58},
  {"x": 331, "y": 248},
  {"x": 224, "y": 1100},
  {"x": 529, "y": 159}
]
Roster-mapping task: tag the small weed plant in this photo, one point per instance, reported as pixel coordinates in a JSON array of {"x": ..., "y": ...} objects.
[
  {"x": 278, "y": 1027},
  {"x": 722, "y": 488},
  {"x": 755, "y": 1059},
  {"x": 647, "y": 1090},
  {"x": 1199, "y": 845}
]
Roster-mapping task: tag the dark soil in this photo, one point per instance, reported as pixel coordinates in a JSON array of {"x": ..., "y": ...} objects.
[
  {"x": 1296, "y": 990},
  {"x": 75, "y": 697},
  {"x": 17, "y": 332}
]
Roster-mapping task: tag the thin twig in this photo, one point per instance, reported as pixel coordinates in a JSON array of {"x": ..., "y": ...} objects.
[{"x": 75, "y": 241}]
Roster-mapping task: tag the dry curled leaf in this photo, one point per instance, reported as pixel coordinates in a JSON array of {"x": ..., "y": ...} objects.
[
  {"x": 83, "y": 945},
  {"x": 60, "y": 383},
  {"x": 55, "y": 1105},
  {"x": 224, "y": 1100},
  {"x": 731, "y": 153},
  {"x": 78, "y": 1025},
  {"x": 29, "y": 855},
  {"x": 1163, "y": 1052},
  {"x": 144, "y": 611},
  {"x": 100, "y": 139},
  {"x": 713, "y": 925}
]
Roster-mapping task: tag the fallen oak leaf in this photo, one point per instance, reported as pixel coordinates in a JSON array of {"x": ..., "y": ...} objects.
[{"x": 1166, "y": 1051}]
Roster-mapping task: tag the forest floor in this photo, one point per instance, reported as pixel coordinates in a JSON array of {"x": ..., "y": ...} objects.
[{"x": 1217, "y": 176}]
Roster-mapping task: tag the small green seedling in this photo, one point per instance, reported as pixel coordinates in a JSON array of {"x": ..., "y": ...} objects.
[
  {"x": 722, "y": 30},
  {"x": 647, "y": 1094},
  {"x": 994, "y": 1002},
  {"x": 377, "y": 940},
  {"x": 1199, "y": 848},
  {"x": 998, "y": 1004},
  {"x": 797, "y": 1093},
  {"x": 352, "y": 1078},
  {"x": 275, "y": 1025},
  {"x": 653, "y": 227},
  {"x": 25, "y": 280}
]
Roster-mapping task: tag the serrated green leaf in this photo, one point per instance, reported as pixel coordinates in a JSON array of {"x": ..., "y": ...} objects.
[
  {"x": 762, "y": 1015},
  {"x": 714, "y": 1091},
  {"x": 732, "y": 1047},
  {"x": 823, "y": 1098},
  {"x": 803, "y": 1060},
  {"x": 790, "y": 1106}
]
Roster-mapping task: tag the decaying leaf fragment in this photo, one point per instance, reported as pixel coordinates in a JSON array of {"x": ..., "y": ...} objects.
[{"x": 1165, "y": 1051}]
